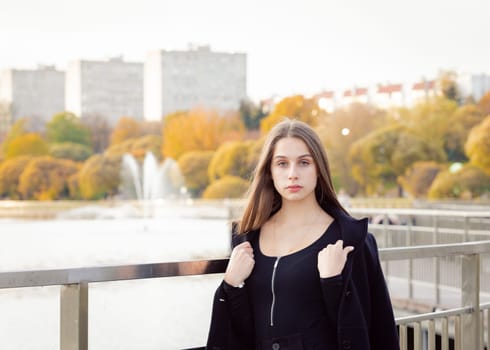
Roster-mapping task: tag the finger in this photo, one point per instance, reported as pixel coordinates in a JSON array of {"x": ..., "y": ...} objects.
[
  {"x": 348, "y": 249},
  {"x": 339, "y": 243},
  {"x": 245, "y": 244}
]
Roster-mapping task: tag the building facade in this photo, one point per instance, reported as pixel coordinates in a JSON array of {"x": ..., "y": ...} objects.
[
  {"x": 34, "y": 94},
  {"x": 182, "y": 80},
  {"x": 111, "y": 89}
]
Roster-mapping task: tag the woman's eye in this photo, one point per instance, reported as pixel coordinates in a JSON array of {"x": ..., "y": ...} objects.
[
  {"x": 281, "y": 164},
  {"x": 305, "y": 162}
]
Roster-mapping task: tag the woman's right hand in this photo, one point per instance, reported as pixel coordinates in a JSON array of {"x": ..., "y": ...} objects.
[{"x": 240, "y": 265}]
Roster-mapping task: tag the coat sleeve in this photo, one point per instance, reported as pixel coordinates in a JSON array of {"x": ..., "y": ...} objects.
[
  {"x": 232, "y": 324},
  {"x": 332, "y": 290},
  {"x": 383, "y": 332}
]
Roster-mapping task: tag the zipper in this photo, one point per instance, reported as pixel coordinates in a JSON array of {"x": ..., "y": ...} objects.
[{"x": 273, "y": 290}]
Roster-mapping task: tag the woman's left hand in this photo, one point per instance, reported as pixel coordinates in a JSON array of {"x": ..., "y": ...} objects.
[{"x": 332, "y": 258}]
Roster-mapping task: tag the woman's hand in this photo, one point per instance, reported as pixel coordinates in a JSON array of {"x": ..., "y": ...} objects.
[
  {"x": 332, "y": 258},
  {"x": 240, "y": 265}
]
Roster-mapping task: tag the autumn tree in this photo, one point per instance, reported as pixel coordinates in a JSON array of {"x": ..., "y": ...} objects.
[
  {"x": 447, "y": 81},
  {"x": 69, "y": 150},
  {"x": 232, "y": 159},
  {"x": 67, "y": 127},
  {"x": 226, "y": 187},
  {"x": 477, "y": 146},
  {"x": 294, "y": 107},
  {"x": 45, "y": 178},
  {"x": 199, "y": 129},
  {"x": 138, "y": 147},
  {"x": 340, "y": 130},
  {"x": 484, "y": 104},
  {"x": 125, "y": 129},
  {"x": 469, "y": 182},
  {"x": 383, "y": 155},
  {"x": 99, "y": 177},
  {"x": 100, "y": 131},
  {"x": 19, "y": 128},
  {"x": 10, "y": 171},
  {"x": 431, "y": 120},
  {"x": 419, "y": 177},
  {"x": 194, "y": 167},
  {"x": 459, "y": 125},
  {"x": 31, "y": 144}
]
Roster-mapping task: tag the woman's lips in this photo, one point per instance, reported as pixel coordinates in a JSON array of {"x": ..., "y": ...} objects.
[{"x": 294, "y": 188}]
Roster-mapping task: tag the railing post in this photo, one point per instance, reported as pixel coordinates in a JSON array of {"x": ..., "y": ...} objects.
[
  {"x": 466, "y": 229},
  {"x": 74, "y": 316},
  {"x": 470, "y": 285},
  {"x": 408, "y": 242},
  {"x": 435, "y": 261}
]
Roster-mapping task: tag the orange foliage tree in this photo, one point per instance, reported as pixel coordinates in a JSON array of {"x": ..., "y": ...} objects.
[
  {"x": 31, "y": 144},
  {"x": 199, "y": 130},
  {"x": 295, "y": 107},
  {"x": 125, "y": 129},
  {"x": 99, "y": 177},
  {"x": 484, "y": 104},
  {"x": 477, "y": 146},
  {"x": 45, "y": 178},
  {"x": 10, "y": 171}
]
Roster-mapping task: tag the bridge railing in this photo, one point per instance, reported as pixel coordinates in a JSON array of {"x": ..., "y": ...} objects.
[{"x": 468, "y": 321}]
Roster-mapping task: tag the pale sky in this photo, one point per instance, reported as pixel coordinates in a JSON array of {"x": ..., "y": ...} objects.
[{"x": 300, "y": 46}]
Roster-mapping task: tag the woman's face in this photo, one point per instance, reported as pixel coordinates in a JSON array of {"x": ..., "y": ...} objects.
[{"x": 293, "y": 170}]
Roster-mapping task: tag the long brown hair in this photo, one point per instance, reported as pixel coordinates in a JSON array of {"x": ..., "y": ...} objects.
[{"x": 263, "y": 200}]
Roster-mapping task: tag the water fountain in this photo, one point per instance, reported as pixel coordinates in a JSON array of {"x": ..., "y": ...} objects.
[{"x": 150, "y": 183}]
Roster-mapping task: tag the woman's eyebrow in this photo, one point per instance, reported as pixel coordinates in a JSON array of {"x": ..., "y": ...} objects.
[{"x": 300, "y": 156}]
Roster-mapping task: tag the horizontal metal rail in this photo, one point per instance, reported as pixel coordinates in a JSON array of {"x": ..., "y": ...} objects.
[
  {"x": 18, "y": 279},
  {"x": 468, "y": 328}
]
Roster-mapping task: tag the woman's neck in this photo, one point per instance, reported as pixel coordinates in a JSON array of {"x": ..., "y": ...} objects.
[{"x": 299, "y": 212}]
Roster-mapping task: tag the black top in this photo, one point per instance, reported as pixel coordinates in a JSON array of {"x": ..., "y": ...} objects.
[{"x": 287, "y": 297}]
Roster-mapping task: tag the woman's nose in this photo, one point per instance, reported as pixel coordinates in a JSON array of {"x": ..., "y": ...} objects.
[{"x": 292, "y": 173}]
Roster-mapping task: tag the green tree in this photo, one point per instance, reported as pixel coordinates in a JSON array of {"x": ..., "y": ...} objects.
[
  {"x": 45, "y": 178},
  {"x": 194, "y": 167},
  {"x": 226, "y": 187},
  {"x": 10, "y": 172},
  {"x": 67, "y": 127},
  {"x": 31, "y": 144},
  {"x": 251, "y": 114},
  {"x": 69, "y": 150},
  {"x": 477, "y": 146},
  {"x": 100, "y": 176}
]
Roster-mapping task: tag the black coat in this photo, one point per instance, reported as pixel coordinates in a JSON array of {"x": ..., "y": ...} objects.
[{"x": 365, "y": 316}]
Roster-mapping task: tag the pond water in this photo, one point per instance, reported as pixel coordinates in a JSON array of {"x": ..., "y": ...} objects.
[{"x": 163, "y": 313}]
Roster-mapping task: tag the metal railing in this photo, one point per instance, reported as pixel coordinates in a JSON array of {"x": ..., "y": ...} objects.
[{"x": 469, "y": 330}]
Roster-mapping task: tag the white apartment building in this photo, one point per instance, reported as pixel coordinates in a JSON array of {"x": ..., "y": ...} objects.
[
  {"x": 181, "y": 80},
  {"x": 112, "y": 89},
  {"x": 475, "y": 85},
  {"x": 37, "y": 94}
]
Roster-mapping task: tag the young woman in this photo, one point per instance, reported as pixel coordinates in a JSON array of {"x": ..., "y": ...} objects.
[{"x": 303, "y": 274}]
